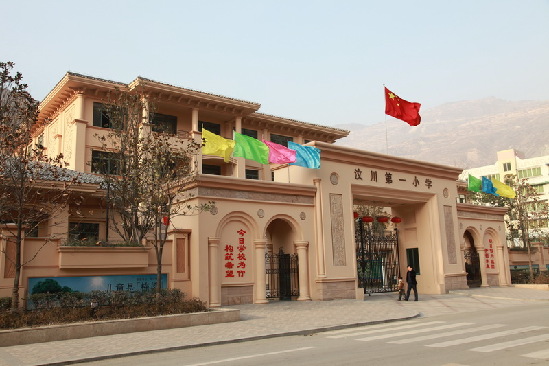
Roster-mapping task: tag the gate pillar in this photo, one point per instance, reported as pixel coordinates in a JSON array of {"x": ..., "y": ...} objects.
[
  {"x": 260, "y": 286},
  {"x": 483, "y": 276},
  {"x": 302, "y": 249},
  {"x": 215, "y": 283},
  {"x": 501, "y": 264}
]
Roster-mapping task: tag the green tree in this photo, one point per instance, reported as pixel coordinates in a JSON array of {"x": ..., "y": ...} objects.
[{"x": 49, "y": 286}]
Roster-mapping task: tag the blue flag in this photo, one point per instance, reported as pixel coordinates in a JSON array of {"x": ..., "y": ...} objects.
[
  {"x": 488, "y": 187},
  {"x": 306, "y": 156}
]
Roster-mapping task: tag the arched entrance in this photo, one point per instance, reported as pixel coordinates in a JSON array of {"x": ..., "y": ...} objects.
[
  {"x": 472, "y": 261},
  {"x": 281, "y": 261}
]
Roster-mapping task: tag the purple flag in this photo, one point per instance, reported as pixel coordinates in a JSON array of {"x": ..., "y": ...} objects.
[{"x": 280, "y": 154}]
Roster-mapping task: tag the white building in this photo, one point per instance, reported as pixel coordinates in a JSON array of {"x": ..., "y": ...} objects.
[{"x": 512, "y": 162}]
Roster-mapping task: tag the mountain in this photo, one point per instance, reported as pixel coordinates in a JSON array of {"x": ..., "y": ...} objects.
[{"x": 464, "y": 134}]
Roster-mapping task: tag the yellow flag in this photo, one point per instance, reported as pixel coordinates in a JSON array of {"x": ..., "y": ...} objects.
[
  {"x": 217, "y": 145},
  {"x": 503, "y": 190}
]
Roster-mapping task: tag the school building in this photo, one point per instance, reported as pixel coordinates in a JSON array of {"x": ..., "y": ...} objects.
[{"x": 277, "y": 231}]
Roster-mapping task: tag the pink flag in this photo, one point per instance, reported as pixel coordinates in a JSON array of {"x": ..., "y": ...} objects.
[{"x": 279, "y": 154}]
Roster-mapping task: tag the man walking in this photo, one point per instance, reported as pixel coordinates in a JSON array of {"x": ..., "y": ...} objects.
[{"x": 412, "y": 283}]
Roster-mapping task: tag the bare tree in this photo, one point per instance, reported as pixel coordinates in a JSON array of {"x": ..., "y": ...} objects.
[
  {"x": 147, "y": 173},
  {"x": 33, "y": 186}
]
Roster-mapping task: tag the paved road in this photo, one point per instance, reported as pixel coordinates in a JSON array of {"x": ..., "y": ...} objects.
[
  {"x": 513, "y": 336},
  {"x": 272, "y": 320}
]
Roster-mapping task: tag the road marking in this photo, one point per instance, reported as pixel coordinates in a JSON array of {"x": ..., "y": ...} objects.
[
  {"x": 366, "y": 327},
  {"x": 484, "y": 337},
  {"x": 385, "y": 329},
  {"x": 509, "y": 344},
  {"x": 446, "y": 334},
  {"x": 415, "y": 331},
  {"x": 251, "y": 356},
  {"x": 538, "y": 354}
]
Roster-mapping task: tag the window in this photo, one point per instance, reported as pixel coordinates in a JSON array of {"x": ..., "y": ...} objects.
[
  {"x": 506, "y": 167},
  {"x": 100, "y": 116},
  {"x": 461, "y": 198},
  {"x": 248, "y": 132},
  {"x": 212, "y": 127},
  {"x": 530, "y": 172},
  {"x": 493, "y": 176},
  {"x": 281, "y": 140},
  {"x": 252, "y": 174},
  {"x": 83, "y": 231},
  {"x": 40, "y": 141},
  {"x": 412, "y": 256},
  {"x": 211, "y": 169},
  {"x": 104, "y": 162},
  {"x": 164, "y": 123},
  {"x": 539, "y": 188}
]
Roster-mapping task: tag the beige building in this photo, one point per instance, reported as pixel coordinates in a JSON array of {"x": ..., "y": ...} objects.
[{"x": 277, "y": 231}]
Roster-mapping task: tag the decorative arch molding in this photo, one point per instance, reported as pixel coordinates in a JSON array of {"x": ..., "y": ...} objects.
[
  {"x": 493, "y": 234},
  {"x": 296, "y": 228},
  {"x": 475, "y": 233},
  {"x": 240, "y": 217}
]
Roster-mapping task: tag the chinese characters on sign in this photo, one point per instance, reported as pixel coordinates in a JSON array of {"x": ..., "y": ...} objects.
[
  {"x": 389, "y": 178},
  {"x": 489, "y": 256},
  {"x": 235, "y": 257}
]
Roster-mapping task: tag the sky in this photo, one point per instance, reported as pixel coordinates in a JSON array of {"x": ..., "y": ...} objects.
[{"x": 316, "y": 61}]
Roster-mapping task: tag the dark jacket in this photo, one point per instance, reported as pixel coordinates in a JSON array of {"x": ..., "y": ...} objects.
[{"x": 411, "y": 277}]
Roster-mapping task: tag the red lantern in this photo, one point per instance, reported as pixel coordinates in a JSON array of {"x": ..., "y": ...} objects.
[
  {"x": 396, "y": 220},
  {"x": 165, "y": 220},
  {"x": 367, "y": 219},
  {"x": 355, "y": 215},
  {"x": 382, "y": 219}
]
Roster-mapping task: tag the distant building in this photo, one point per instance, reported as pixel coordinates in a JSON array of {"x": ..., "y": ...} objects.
[{"x": 534, "y": 170}]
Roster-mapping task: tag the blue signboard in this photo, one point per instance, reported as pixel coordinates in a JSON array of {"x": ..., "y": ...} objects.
[{"x": 132, "y": 283}]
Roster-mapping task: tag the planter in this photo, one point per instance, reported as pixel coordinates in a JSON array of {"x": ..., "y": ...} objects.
[
  {"x": 103, "y": 257},
  {"x": 62, "y": 332},
  {"x": 533, "y": 286}
]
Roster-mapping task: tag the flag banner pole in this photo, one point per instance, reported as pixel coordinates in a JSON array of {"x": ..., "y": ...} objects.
[{"x": 386, "y": 138}]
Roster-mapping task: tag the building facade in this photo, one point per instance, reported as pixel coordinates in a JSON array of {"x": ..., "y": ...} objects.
[
  {"x": 269, "y": 221},
  {"x": 536, "y": 173}
]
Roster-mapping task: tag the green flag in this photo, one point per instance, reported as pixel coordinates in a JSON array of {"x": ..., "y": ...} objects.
[
  {"x": 475, "y": 184},
  {"x": 250, "y": 148}
]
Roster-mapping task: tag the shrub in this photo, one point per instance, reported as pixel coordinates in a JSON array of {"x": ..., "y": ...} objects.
[{"x": 72, "y": 307}]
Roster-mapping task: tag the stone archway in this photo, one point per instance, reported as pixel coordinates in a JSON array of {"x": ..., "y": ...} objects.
[
  {"x": 472, "y": 261},
  {"x": 286, "y": 260}
]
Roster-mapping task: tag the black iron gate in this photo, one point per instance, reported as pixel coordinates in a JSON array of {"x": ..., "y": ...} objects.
[
  {"x": 377, "y": 258},
  {"x": 282, "y": 275},
  {"x": 472, "y": 267}
]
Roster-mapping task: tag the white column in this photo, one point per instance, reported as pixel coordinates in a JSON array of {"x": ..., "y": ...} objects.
[
  {"x": 197, "y": 137},
  {"x": 482, "y": 254},
  {"x": 214, "y": 263},
  {"x": 501, "y": 266},
  {"x": 240, "y": 162},
  {"x": 303, "y": 260},
  {"x": 319, "y": 237},
  {"x": 260, "y": 284}
]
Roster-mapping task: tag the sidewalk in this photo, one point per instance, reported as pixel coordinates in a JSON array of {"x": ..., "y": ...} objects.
[{"x": 272, "y": 320}]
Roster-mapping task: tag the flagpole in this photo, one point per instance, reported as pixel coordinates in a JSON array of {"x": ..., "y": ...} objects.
[{"x": 386, "y": 140}]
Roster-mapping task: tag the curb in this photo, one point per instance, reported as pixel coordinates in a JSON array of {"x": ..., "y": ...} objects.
[{"x": 236, "y": 340}]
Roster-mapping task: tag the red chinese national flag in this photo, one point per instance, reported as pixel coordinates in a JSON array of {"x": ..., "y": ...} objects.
[{"x": 402, "y": 109}]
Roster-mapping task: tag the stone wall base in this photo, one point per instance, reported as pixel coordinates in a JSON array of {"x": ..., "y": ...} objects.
[
  {"x": 456, "y": 283},
  {"x": 336, "y": 290},
  {"x": 62, "y": 332},
  {"x": 236, "y": 295}
]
